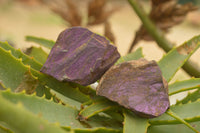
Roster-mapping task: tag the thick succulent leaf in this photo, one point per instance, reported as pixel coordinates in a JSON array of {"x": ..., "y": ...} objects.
[
  {"x": 98, "y": 130},
  {"x": 97, "y": 107},
  {"x": 175, "y": 59},
  {"x": 2, "y": 86},
  {"x": 12, "y": 77},
  {"x": 103, "y": 121},
  {"x": 41, "y": 41},
  {"x": 4, "y": 128},
  {"x": 29, "y": 83},
  {"x": 66, "y": 115},
  {"x": 185, "y": 85},
  {"x": 189, "y": 112},
  {"x": 116, "y": 114},
  {"x": 134, "y": 124},
  {"x": 12, "y": 70},
  {"x": 66, "y": 100},
  {"x": 80, "y": 56},
  {"x": 27, "y": 122},
  {"x": 42, "y": 90},
  {"x": 37, "y": 53},
  {"x": 49, "y": 110},
  {"x": 191, "y": 97},
  {"x": 175, "y": 128},
  {"x": 17, "y": 76},
  {"x": 132, "y": 56},
  {"x": 175, "y": 116},
  {"x": 18, "y": 54}
]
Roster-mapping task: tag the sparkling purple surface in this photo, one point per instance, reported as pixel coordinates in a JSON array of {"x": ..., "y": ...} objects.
[
  {"x": 80, "y": 56},
  {"x": 137, "y": 85}
]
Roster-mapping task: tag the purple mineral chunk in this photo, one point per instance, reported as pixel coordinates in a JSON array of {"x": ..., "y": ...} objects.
[
  {"x": 80, "y": 56},
  {"x": 137, "y": 85}
]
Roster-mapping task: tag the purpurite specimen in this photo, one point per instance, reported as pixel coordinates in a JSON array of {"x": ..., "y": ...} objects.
[
  {"x": 80, "y": 56},
  {"x": 137, "y": 85}
]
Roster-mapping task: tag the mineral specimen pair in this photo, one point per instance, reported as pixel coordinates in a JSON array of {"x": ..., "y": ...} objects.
[{"x": 83, "y": 57}]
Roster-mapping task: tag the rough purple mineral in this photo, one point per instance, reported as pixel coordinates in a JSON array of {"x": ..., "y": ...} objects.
[
  {"x": 80, "y": 56},
  {"x": 137, "y": 85}
]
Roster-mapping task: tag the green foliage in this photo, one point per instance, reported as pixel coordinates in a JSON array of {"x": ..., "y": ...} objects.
[
  {"x": 132, "y": 56},
  {"x": 31, "y": 123},
  {"x": 191, "y": 97},
  {"x": 55, "y": 106},
  {"x": 11, "y": 76},
  {"x": 96, "y": 107},
  {"x": 134, "y": 124},
  {"x": 189, "y": 112},
  {"x": 53, "y": 112},
  {"x": 186, "y": 85},
  {"x": 177, "y": 57},
  {"x": 4, "y": 128},
  {"x": 19, "y": 55},
  {"x": 37, "y": 53},
  {"x": 41, "y": 41},
  {"x": 176, "y": 128}
]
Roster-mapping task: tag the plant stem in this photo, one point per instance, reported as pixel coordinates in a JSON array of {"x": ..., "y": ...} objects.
[
  {"x": 150, "y": 27},
  {"x": 192, "y": 68},
  {"x": 157, "y": 34},
  {"x": 172, "y": 114}
]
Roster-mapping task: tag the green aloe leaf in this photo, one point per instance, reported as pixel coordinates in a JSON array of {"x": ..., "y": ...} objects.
[
  {"x": 12, "y": 71},
  {"x": 132, "y": 56},
  {"x": 66, "y": 100},
  {"x": 4, "y": 128},
  {"x": 49, "y": 110},
  {"x": 175, "y": 128},
  {"x": 20, "y": 55},
  {"x": 15, "y": 75},
  {"x": 42, "y": 90},
  {"x": 98, "y": 130},
  {"x": 66, "y": 115},
  {"x": 97, "y": 107},
  {"x": 2, "y": 86},
  {"x": 10, "y": 112},
  {"x": 191, "y": 97},
  {"x": 188, "y": 112},
  {"x": 134, "y": 124},
  {"x": 175, "y": 59},
  {"x": 29, "y": 83},
  {"x": 41, "y": 41},
  {"x": 185, "y": 85},
  {"x": 37, "y": 53},
  {"x": 175, "y": 116}
]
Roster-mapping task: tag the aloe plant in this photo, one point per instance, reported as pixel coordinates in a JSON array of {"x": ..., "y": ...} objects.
[{"x": 35, "y": 102}]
